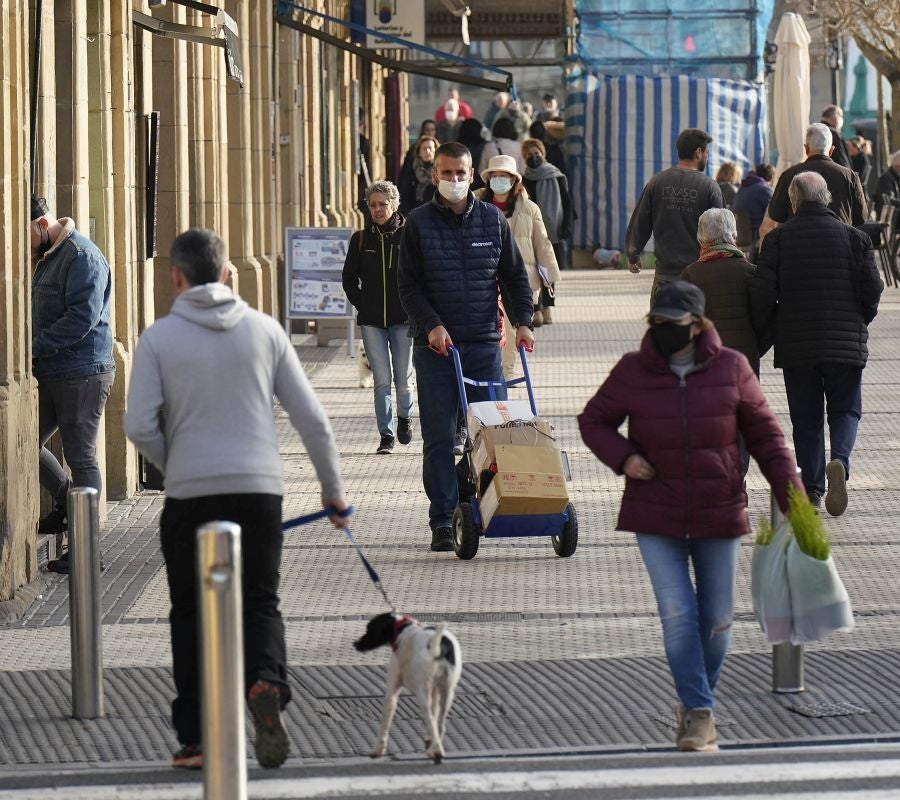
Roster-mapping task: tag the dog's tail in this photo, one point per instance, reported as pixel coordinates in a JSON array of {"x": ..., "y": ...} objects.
[{"x": 434, "y": 646}]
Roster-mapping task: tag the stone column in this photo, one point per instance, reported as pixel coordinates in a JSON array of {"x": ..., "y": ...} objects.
[
  {"x": 170, "y": 98},
  {"x": 19, "y": 490},
  {"x": 260, "y": 35},
  {"x": 241, "y": 245},
  {"x": 123, "y": 246}
]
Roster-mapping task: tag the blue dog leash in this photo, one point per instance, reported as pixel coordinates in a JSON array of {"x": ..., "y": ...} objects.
[{"x": 325, "y": 512}]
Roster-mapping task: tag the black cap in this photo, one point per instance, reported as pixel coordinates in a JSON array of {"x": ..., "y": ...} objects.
[
  {"x": 39, "y": 207},
  {"x": 674, "y": 300}
]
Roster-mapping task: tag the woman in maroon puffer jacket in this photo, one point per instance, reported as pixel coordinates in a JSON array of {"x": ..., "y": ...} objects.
[{"x": 686, "y": 398}]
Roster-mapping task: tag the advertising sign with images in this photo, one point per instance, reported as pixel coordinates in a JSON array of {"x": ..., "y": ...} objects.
[
  {"x": 402, "y": 18},
  {"x": 315, "y": 261}
]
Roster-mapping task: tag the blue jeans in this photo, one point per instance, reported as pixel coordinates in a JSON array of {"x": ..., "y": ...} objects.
[
  {"x": 438, "y": 408},
  {"x": 841, "y": 387},
  {"x": 384, "y": 347},
  {"x": 696, "y": 621}
]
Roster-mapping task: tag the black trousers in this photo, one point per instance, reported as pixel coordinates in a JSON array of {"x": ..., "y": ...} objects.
[{"x": 265, "y": 651}]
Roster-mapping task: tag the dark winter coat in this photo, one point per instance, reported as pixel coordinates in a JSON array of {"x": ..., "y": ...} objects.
[
  {"x": 753, "y": 198},
  {"x": 848, "y": 200},
  {"x": 450, "y": 266},
  {"x": 841, "y": 154},
  {"x": 688, "y": 430},
  {"x": 888, "y": 184},
  {"x": 370, "y": 274},
  {"x": 815, "y": 290},
  {"x": 726, "y": 284}
]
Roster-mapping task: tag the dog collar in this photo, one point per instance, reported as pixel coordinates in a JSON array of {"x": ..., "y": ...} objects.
[{"x": 400, "y": 624}]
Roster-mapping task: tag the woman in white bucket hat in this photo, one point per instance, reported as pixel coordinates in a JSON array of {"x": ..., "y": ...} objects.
[{"x": 504, "y": 189}]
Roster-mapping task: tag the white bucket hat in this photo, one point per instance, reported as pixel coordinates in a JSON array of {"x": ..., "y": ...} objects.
[{"x": 501, "y": 164}]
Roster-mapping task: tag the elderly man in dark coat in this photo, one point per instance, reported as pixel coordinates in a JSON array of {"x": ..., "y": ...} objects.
[
  {"x": 848, "y": 200},
  {"x": 816, "y": 290}
]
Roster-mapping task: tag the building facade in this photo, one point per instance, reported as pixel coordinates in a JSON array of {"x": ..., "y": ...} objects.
[{"x": 140, "y": 133}]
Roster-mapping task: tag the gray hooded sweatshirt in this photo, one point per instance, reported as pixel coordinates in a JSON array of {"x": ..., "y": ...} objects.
[{"x": 200, "y": 399}]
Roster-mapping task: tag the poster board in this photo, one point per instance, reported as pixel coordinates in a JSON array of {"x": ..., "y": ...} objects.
[{"x": 314, "y": 261}]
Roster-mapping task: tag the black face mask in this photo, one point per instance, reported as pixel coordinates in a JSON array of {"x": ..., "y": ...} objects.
[
  {"x": 44, "y": 246},
  {"x": 670, "y": 338},
  {"x": 534, "y": 161}
]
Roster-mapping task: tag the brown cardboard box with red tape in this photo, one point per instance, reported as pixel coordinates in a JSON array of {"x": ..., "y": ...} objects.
[
  {"x": 505, "y": 422},
  {"x": 529, "y": 480}
]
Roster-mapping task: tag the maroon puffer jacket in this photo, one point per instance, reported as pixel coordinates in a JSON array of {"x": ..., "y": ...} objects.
[{"x": 688, "y": 431}]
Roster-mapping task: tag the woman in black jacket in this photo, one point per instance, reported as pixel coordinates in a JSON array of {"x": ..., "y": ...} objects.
[{"x": 370, "y": 282}]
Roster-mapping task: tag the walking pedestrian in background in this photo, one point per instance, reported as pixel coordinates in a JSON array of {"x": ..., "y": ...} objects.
[
  {"x": 210, "y": 362},
  {"x": 454, "y": 253},
  {"x": 815, "y": 292},
  {"x": 833, "y": 119},
  {"x": 506, "y": 191},
  {"x": 72, "y": 357},
  {"x": 754, "y": 195},
  {"x": 470, "y": 134},
  {"x": 728, "y": 177},
  {"x": 415, "y": 179},
  {"x": 549, "y": 189},
  {"x": 370, "y": 283},
  {"x": 687, "y": 399},
  {"x": 669, "y": 208},
  {"x": 504, "y": 142},
  {"x": 848, "y": 200}
]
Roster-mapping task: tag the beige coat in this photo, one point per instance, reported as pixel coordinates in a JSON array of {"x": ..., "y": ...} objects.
[{"x": 527, "y": 227}]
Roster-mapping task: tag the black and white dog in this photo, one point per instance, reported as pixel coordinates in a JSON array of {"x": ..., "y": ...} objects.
[{"x": 427, "y": 661}]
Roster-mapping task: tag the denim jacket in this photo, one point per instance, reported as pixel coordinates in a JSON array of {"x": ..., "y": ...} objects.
[{"x": 71, "y": 286}]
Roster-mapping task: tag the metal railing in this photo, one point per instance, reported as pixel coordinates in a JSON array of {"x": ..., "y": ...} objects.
[
  {"x": 84, "y": 603},
  {"x": 787, "y": 658},
  {"x": 222, "y": 660}
]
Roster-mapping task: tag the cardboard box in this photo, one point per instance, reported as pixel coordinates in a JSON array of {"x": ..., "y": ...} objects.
[
  {"x": 489, "y": 413},
  {"x": 529, "y": 480},
  {"x": 537, "y": 433}
]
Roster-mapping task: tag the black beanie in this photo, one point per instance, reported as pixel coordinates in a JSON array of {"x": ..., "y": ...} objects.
[{"x": 39, "y": 207}]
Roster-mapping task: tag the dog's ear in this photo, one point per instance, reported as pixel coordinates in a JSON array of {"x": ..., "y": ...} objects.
[{"x": 379, "y": 632}]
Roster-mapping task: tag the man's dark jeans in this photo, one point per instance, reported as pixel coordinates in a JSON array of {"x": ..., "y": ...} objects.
[
  {"x": 73, "y": 406},
  {"x": 265, "y": 652},
  {"x": 841, "y": 387},
  {"x": 438, "y": 408}
]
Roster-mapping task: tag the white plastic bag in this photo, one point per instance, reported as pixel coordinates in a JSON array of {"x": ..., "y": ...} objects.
[
  {"x": 819, "y": 601},
  {"x": 769, "y": 586}
]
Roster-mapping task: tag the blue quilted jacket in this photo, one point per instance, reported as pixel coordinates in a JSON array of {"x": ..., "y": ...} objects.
[{"x": 452, "y": 268}]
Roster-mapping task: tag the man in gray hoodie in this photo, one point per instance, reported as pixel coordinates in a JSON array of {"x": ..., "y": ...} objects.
[{"x": 200, "y": 408}]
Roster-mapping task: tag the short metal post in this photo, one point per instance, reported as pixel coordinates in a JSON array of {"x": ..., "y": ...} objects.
[
  {"x": 787, "y": 658},
  {"x": 84, "y": 603},
  {"x": 222, "y": 659}
]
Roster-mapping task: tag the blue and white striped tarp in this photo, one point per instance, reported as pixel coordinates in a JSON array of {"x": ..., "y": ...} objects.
[{"x": 621, "y": 130}]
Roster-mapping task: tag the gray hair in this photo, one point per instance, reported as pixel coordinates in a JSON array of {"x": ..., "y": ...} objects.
[
  {"x": 388, "y": 190},
  {"x": 895, "y": 159},
  {"x": 808, "y": 187},
  {"x": 200, "y": 254},
  {"x": 717, "y": 226},
  {"x": 818, "y": 138}
]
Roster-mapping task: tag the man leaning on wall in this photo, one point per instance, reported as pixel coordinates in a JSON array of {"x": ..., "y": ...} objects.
[{"x": 71, "y": 350}]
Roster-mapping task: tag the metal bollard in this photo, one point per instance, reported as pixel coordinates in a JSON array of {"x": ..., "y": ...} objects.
[
  {"x": 787, "y": 658},
  {"x": 222, "y": 660},
  {"x": 84, "y": 603}
]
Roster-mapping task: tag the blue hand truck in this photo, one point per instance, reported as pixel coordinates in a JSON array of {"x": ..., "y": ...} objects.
[{"x": 468, "y": 527}]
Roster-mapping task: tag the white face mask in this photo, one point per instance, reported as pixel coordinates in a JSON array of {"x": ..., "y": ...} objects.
[
  {"x": 453, "y": 191},
  {"x": 501, "y": 185}
]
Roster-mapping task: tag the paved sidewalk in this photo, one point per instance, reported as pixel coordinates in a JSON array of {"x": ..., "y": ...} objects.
[{"x": 561, "y": 655}]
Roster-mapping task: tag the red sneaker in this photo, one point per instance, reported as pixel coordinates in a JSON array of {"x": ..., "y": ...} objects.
[
  {"x": 190, "y": 756},
  {"x": 272, "y": 744}
]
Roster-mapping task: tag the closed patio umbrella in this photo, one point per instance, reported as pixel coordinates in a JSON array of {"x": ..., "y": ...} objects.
[{"x": 791, "y": 102}]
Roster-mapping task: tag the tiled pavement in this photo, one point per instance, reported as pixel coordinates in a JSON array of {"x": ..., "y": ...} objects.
[{"x": 560, "y": 654}]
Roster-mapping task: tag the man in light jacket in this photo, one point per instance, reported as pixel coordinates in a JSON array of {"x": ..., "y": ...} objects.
[{"x": 200, "y": 408}]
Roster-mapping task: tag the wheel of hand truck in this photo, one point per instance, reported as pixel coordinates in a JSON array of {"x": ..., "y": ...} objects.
[
  {"x": 465, "y": 534},
  {"x": 567, "y": 541}
]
